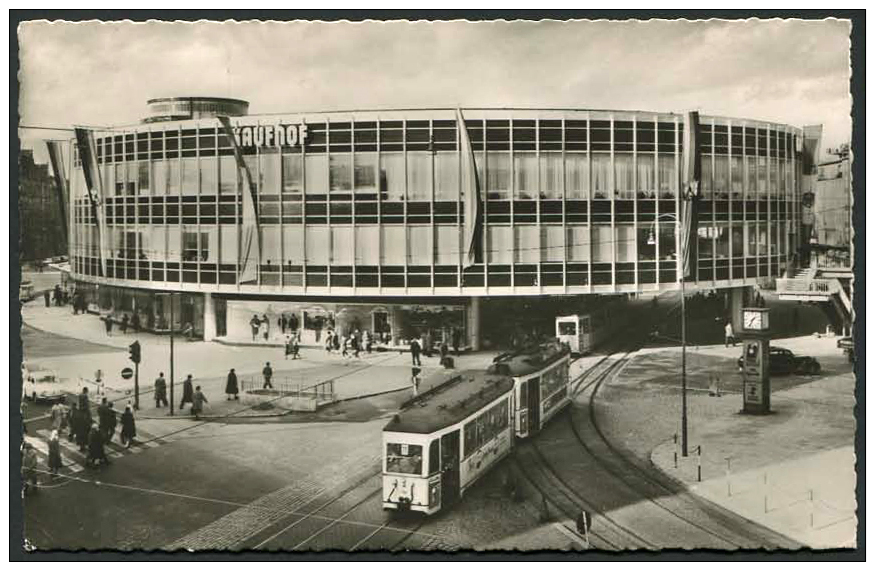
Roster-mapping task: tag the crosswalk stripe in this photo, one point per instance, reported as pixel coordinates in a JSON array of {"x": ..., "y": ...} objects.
[{"x": 43, "y": 447}]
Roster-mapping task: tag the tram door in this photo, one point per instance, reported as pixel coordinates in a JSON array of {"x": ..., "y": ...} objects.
[
  {"x": 534, "y": 404},
  {"x": 450, "y": 467}
]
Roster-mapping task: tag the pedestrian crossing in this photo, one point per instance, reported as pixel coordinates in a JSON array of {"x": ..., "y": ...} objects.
[{"x": 74, "y": 461}]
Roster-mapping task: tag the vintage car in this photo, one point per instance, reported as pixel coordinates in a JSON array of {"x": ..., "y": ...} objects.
[
  {"x": 46, "y": 385},
  {"x": 782, "y": 361}
]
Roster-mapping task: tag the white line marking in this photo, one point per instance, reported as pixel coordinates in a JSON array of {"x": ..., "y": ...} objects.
[
  {"x": 573, "y": 536},
  {"x": 368, "y": 537}
]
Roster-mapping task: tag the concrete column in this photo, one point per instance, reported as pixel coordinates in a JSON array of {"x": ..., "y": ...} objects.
[
  {"x": 209, "y": 317},
  {"x": 474, "y": 324},
  {"x": 737, "y": 298},
  {"x": 395, "y": 318}
]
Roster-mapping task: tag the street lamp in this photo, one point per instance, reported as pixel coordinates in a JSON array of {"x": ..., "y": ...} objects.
[
  {"x": 652, "y": 240},
  {"x": 171, "y": 345}
]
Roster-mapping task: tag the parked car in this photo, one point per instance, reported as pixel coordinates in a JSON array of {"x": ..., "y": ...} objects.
[
  {"x": 26, "y": 291},
  {"x": 46, "y": 385},
  {"x": 847, "y": 344},
  {"x": 782, "y": 361}
]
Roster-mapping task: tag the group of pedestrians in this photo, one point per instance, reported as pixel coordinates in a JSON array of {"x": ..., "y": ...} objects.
[
  {"x": 352, "y": 345},
  {"x": 260, "y": 326}
]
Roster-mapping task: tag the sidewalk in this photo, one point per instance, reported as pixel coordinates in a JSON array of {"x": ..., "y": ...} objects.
[{"x": 792, "y": 471}]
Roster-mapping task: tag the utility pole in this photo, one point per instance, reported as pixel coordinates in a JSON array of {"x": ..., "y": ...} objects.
[{"x": 170, "y": 295}]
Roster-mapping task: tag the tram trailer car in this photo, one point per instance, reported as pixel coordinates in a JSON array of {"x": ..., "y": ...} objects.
[
  {"x": 434, "y": 450},
  {"x": 541, "y": 384}
]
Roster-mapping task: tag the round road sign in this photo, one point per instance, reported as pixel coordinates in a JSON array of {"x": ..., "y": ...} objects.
[{"x": 127, "y": 373}]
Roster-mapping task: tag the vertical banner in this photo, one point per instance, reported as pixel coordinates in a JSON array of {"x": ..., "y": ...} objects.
[
  {"x": 250, "y": 241},
  {"x": 691, "y": 175},
  {"x": 473, "y": 218},
  {"x": 57, "y": 160},
  {"x": 94, "y": 184}
]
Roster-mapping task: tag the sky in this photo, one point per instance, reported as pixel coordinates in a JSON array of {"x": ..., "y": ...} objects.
[{"x": 792, "y": 71}]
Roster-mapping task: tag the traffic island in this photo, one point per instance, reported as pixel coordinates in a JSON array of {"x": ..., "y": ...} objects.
[{"x": 269, "y": 400}]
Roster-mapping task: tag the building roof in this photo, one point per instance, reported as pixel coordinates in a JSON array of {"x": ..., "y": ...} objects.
[
  {"x": 528, "y": 360},
  {"x": 451, "y": 403}
]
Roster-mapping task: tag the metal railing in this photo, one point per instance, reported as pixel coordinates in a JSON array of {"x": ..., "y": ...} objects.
[
  {"x": 826, "y": 261},
  {"x": 284, "y": 386},
  {"x": 814, "y": 287}
]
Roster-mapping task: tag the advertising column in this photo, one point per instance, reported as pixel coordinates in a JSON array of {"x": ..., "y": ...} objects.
[{"x": 757, "y": 384}]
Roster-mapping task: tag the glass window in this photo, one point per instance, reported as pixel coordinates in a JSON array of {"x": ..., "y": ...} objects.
[
  {"x": 751, "y": 167},
  {"x": 576, "y": 176},
  {"x": 173, "y": 178},
  {"x": 707, "y": 173},
  {"x": 446, "y": 176},
  {"x": 270, "y": 170},
  {"x": 318, "y": 245},
  {"x": 667, "y": 176},
  {"x": 667, "y": 241},
  {"x": 551, "y": 175},
  {"x": 578, "y": 243},
  {"x": 498, "y": 175},
  {"x": 645, "y": 173},
  {"x": 762, "y": 188},
  {"x": 419, "y": 176},
  {"x": 447, "y": 245},
  {"x": 339, "y": 172},
  {"x": 552, "y": 244},
  {"x": 228, "y": 241},
  {"x": 721, "y": 177},
  {"x": 270, "y": 244},
  {"x": 367, "y": 245},
  {"x": 646, "y": 243},
  {"x": 626, "y": 244},
  {"x": 434, "y": 456},
  {"x": 419, "y": 247},
  {"x": 159, "y": 178},
  {"x": 394, "y": 245},
  {"x": 403, "y": 459},
  {"x": 293, "y": 176},
  {"x": 365, "y": 172},
  {"x": 341, "y": 245},
  {"x": 392, "y": 176},
  {"x": 736, "y": 177},
  {"x": 227, "y": 175},
  {"x": 601, "y": 176},
  {"x": 751, "y": 236},
  {"x": 293, "y": 244},
  {"x": 602, "y": 244},
  {"x": 190, "y": 179},
  {"x": 525, "y": 171},
  {"x": 527, "y": 244},
  {"x": 737, "y": 241},
  {"x": 500, "y": 244},
  {"x": 722, "y": 234},
  {"x": 706, "y": 236},
  {"x": 624, "y": 187},
  {"x": 195, "y": 245},
  {"x": 316, "y": 174},
  {"x": 209, "y": 176}
]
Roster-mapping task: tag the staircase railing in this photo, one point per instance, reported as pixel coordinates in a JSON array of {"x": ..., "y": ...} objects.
[{"x": 815, "y": 287}]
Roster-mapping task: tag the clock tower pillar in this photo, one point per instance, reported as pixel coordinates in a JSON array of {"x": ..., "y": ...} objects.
[{"x": 757, "y": 386}]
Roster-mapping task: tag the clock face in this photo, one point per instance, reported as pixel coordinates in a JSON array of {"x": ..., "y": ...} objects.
[{"x": 753, "y": 320}]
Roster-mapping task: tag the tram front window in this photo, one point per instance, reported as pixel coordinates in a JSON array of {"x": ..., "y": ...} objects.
[
  {"x": 404, "y": 459},
  {"x": 567, "y": 329}
]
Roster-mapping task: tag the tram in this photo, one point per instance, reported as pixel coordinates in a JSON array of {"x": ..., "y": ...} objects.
[
  {"x": 541, "y": 384},
  {"x": 583, "y": 332},
  {"x": 434, "y": 450}
]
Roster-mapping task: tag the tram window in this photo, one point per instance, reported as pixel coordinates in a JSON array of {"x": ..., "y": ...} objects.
[
  {"x": 524, "y": 395},
  {"x": 434, "y": 456},
  {"x": 403, "y": 458},
  {"x": 567, "y": 329}
]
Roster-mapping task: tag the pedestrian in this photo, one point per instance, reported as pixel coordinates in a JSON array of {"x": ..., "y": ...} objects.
[
  {"x": 57, "y": 295},
  {"x": 105, "y": 419},
  {"x": 48, "y": 298},
  {"x": 336, "y": 340},
  {"x": 287, "y": 345},
  {"x": 282, "y": 323},
  {"x": 187, "y": 392},
  {"x": 254, "y": 323},
  {"x": 445, "y": 350},
  {"x": 124, "y": 323},
  {"x": 415, "y": 350},
  {"x": 83, "y": 400},
  {"x": 268, "y": 373},
  {"x": 160, "y": 391},
  {"x": 83, "y": 426},
  {"x": 54, "y": 453},
  {"x": 72, "y": 420},
  {"x": 729, "y": 334},
  {"x": 28, "y": 468},
  {"x": 345, "y": 350},
  {"x": 197, "y": 404},
  {"x": 129, "y": 428},
  {"x": 231, "y": 385},
  {"x": 368, "y": 342},
  {"x": 457, "y": 339},
  {"x": 135, "y": 321},
  {"x": 329, "y": 341},
  {"x": 295, "y": 347},
  {"x": 96, "y": 452},
  {"x": 58, "y": 416},
  {"x": 265, "y": 327},
  {"x": 107, "y": 321}
]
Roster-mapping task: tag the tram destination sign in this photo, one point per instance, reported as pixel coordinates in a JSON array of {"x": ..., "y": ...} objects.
[{"x": 249, "y": 136}]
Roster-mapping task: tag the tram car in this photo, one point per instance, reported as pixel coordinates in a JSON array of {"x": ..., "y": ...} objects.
[
  {"x": 541, "y": 384},
  {"x": 583, "y": 332},
  {"x": 434, "y": 450}
]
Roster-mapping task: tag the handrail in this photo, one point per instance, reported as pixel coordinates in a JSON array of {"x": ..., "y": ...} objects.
[{"x": 821, "y": 287}]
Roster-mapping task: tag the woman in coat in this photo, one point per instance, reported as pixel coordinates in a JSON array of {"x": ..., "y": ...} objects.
[
  {"x": 96, "y": 453},
  {"x": 231, "y": 385},
  {"x": 129, "y": 429},
  {"x": 54, "y": 453}
]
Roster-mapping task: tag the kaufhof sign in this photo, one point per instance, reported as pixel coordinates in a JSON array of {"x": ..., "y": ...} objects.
[{"x": 249, "y": 136}]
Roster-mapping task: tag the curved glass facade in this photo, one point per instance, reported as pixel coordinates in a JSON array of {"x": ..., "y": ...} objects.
[{"x": 370, "y": 203}]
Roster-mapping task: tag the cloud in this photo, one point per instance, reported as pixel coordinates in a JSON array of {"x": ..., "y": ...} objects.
[{"x": 791, "y": 71}]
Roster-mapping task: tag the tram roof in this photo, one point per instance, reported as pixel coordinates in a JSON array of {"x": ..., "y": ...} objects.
[
  {"x": 528, "y": 361},
  {"x": 450, "y": 404}
]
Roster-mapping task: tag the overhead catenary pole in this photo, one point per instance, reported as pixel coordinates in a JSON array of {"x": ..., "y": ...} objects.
[{"x": 171, "y": 354}]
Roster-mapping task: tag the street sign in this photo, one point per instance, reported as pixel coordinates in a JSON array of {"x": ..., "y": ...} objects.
[{"x": 127, "y": 373}]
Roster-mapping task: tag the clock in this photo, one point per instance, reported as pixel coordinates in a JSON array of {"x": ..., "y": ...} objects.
[{"x": 755, "y": 319}]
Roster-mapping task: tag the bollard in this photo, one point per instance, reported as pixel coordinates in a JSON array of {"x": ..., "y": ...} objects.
[
  {"x": 728, "y": 482},
  {"x": 811, "y": 503},
  {"x": 699, "y": 462},
  {"x": 675, "y": 459}
]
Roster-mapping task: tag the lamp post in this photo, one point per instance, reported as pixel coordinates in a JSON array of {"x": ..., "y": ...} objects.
[
  {"x": 684, "y": 440},
  {"x": 170, "y": 295}
]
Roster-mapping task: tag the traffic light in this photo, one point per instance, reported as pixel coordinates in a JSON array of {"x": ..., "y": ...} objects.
[{"x": 135, "y": 352}]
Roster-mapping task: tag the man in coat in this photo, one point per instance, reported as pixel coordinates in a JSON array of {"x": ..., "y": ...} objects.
[
  {"x": 197, "y": 403},
  {"x": 129, "y": 429},
  {"x": 268, "y": 373},
  {"x": 231, "y": 388},
  {"x": 105, "y": 419},
  {"x": 96, "y": 452},
  {"x": 254, "y": 323},
  {"x": 415, "y": 350},
  {"x": 54, "y": 453},
  {"x": 187, "y": 392},
  {"x": 160, "y": 391}
]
